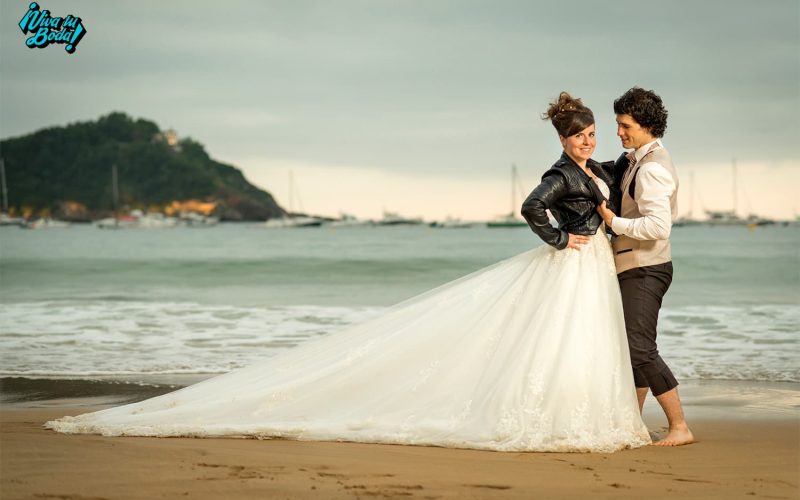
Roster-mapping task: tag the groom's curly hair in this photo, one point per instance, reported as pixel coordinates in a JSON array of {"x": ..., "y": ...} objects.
[{"x": 646, "y": 107}]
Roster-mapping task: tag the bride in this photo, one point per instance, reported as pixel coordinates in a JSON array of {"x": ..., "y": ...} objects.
[{"x": 528, "y": 354}]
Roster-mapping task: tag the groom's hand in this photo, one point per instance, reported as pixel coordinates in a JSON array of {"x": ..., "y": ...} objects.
[
  {"x": 576, "y": 240},
  {"x": 605, "y": 213}
]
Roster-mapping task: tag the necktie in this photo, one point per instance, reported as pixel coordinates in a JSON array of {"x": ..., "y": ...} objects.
[
  {"x": 631, "y": 159},
  {"x": 631, "y": 164}
]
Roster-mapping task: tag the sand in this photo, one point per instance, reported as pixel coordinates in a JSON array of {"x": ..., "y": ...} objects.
[
  {"x": 741, "y": 459},
  {"x": 749, "y": 447}
]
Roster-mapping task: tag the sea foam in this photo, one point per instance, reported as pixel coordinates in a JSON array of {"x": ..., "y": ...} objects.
[{"x": 138, "y": 338}]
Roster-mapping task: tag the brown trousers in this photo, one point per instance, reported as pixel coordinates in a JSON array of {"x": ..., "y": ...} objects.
[{"x": 642, "y": 289}]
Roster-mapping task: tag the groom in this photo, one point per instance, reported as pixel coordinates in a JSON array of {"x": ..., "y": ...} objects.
[{"x": 649, "y": 187}]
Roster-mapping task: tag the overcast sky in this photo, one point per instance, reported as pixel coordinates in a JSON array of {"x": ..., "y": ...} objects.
[{"x": 422, "y": 106}]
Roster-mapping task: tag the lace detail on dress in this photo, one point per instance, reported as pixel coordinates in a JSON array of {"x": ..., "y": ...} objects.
[
  {"x": 424, "y": 375},
  {"x": 272, "y": 402}
]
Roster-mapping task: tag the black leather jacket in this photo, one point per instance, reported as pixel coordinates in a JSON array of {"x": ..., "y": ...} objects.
[{"x": 572, "y": 197}]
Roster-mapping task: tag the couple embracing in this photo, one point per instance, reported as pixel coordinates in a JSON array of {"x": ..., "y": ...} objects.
[
  {"x": 642, "y": 186},
  {"x": 528, "y": 354}
]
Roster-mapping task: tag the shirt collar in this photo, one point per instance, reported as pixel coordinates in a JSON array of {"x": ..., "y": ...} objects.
[{"x": 642, "y": 151}]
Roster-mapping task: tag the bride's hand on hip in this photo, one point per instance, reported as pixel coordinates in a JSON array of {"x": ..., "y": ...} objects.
[{"x": 576, "y": 241}]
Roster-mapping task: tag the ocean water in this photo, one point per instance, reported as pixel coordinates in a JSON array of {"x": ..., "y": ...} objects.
[{"x": 144, "y": 304}]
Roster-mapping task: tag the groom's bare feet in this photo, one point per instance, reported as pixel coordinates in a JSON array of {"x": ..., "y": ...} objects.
[
  {"x": 677, "y": 437},
  {"x": 679, "y": 433}
]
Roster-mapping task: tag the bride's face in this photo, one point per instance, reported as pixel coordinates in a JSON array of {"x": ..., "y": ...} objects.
[{"x": 580, "y": 146}]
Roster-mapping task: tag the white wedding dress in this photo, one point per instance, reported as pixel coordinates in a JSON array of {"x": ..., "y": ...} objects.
[{"x": 529, "y": 354}]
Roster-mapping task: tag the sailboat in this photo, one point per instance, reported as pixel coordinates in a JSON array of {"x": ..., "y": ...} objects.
[
  {"x": 726, "y": 217},
  {"x": 395, "y": 219},
  {"x": 292, "y": 219},
  {"x": 511, "y": 219},
  {"x": 348, "y": 220},
  {"x": 5, "y": 219},
  {"x": 115, "y": 222},
  {"x": 688, "y": 219},
  {"x": 731, "y": 217}
]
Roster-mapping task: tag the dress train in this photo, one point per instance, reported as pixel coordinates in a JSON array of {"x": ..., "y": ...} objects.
[{"x": 528, "y": 354}]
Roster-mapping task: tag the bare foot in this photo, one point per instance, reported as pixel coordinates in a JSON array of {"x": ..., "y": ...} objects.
[{"x": 676, "y": 437}]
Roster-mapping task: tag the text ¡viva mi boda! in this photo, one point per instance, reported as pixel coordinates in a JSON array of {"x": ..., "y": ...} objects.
[{"x": 49, "y": 29}]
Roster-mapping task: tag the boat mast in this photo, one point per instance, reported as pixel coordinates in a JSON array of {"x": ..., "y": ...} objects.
[
  {"x": 513, "y": 190},
  {"x": 734, "y": 187},
  {"x": 3, "y": 180},
  {"x": 291, "y": 192},
  {"x": 115, "y": 191}
]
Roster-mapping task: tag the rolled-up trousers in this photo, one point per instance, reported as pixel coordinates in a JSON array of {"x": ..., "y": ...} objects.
[{"x": 642, "y": 289}]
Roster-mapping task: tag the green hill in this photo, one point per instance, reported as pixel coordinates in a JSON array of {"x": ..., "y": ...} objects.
[{"x": 66, "y": 172}]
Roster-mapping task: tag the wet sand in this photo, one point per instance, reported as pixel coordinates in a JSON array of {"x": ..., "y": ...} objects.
[{"x": 746, "y": 449}]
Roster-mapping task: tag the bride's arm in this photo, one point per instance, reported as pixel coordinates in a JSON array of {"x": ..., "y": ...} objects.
[{"x": 552, "y": 188}]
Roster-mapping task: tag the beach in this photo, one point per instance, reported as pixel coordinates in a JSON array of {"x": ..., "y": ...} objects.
[{"x": 748, "y": 447}]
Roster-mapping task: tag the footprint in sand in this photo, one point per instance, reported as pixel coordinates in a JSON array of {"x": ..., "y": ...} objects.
[{"x": 489, "y": 486}]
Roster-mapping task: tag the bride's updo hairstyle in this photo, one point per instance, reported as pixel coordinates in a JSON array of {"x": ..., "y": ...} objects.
[{"x": 569, "y": 115}]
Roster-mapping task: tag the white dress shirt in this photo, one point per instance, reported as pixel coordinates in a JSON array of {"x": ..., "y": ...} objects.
[{"x": 654, "y": 187}]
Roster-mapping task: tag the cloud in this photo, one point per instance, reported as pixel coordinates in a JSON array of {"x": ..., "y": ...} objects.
[{"x": 410, "y": 86}]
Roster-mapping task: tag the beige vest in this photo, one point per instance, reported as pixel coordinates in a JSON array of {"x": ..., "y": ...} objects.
[{"x": 628, "y": 252}]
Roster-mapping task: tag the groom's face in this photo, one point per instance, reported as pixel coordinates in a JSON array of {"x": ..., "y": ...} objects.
[{"x": 631, "y": 133}]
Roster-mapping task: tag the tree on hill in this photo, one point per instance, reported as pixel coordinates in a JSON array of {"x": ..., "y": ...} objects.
[{"x": 70, "y": 166}]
